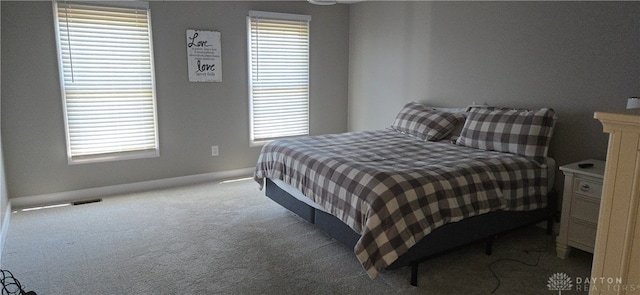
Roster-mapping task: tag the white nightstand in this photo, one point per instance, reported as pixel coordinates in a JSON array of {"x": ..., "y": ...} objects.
[{"x": 580, "y": 206}]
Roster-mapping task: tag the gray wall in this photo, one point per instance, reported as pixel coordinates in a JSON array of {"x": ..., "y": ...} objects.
[
  {"x": 4, "y": 197},
  {"x": 191, "y": 116},
  {"x": 575, "y": 57}
]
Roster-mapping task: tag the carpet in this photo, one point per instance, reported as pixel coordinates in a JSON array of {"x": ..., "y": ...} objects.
[{"x": 228, "y": 238}]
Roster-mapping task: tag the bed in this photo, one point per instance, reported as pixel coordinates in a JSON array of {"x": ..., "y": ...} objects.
[{"x": 434, "y": 181}]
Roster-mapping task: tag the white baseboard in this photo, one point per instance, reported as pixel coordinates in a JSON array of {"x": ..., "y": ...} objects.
[
  {"x": 83, "y": 194},
  {"x": 4, "y": 229}
]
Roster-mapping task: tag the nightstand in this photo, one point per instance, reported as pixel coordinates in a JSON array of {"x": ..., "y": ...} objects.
[{"x": 580, "y": 206}]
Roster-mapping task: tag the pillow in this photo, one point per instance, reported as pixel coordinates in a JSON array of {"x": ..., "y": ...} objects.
[
  {"x": 425, "y": 123},
  {"x": 521, "y": 132},
  {"x": 453, "y": 136}
]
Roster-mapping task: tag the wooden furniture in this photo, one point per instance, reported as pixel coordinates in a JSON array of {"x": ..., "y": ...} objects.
[
  {"x": 580, "y": 206},
  {"x": 617, "y": 249}
]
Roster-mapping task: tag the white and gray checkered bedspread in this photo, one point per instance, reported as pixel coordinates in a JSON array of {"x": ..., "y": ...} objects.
[{"x": 394, "y": 189}]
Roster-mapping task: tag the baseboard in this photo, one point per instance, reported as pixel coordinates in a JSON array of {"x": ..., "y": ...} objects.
[
  {"x": 5, "y": 229},
  {"x": 77, "y": 195}
]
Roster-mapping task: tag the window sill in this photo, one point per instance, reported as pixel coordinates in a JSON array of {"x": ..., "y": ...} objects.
[{"x": 113, "y": 157}]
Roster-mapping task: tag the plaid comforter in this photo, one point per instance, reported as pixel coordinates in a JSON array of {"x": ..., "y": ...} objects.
[{"x": 394, "y": 189}]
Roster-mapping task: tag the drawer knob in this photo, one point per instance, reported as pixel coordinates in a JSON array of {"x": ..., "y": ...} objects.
[{"x": 585, "y": 187}]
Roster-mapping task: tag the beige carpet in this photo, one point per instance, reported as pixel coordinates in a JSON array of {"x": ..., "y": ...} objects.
[{"x": 228, "y": 238}]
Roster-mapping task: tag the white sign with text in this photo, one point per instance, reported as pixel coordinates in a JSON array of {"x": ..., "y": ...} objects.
[{"x": 204, "y": 56}]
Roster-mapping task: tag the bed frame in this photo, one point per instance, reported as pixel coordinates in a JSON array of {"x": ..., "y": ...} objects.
[{"x": 444, "y": 239}]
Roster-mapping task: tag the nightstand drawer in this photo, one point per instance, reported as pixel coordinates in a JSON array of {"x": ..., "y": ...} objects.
[
  {"x": 581, "y": 198},
  {"x": 582, "y": 235},
  {"x": 585, "y": 208},
  {"x": 588, "y": 187}
]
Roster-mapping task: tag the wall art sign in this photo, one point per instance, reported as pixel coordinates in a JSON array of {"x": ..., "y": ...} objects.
[{"x": 204, "y": 56}]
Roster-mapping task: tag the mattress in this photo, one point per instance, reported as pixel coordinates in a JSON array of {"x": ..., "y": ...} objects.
[
  {"x": 549, "y": 162},
  {"x": 394, "y": 189}
]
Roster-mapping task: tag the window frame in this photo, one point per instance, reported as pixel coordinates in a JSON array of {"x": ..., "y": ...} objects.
[
  {"x": 276, "y": 17},
  {"x": 114, "y": 155}
]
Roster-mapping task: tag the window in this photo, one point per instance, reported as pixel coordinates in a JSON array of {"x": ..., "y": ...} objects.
[
  {"x": 278, "y": 46},
  {"x": 106, "y": 74}
]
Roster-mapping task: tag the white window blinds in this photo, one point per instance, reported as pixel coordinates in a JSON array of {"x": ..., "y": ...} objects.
[
  {"x": 107, "y": 79},
  {"x": 279, "y": 75}
]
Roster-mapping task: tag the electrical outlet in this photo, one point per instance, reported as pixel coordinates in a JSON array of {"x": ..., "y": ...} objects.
[{"x": 214, "y": 150}]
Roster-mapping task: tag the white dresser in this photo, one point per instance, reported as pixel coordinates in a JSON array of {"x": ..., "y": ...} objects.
[
  {"x": 617, "y": 250},
  {"x": 580, "y": 206}
]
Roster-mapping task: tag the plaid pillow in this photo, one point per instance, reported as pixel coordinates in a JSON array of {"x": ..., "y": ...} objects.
[
  {"x": 521, "y": 132},
  {"x": 425, "y": 123}
]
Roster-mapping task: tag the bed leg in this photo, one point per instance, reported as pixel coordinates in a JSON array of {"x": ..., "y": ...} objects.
[
  {"x": 414, "y": 274},
  {"x": 489, "y": 246},
  {"x": 552, "y": 206}
]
